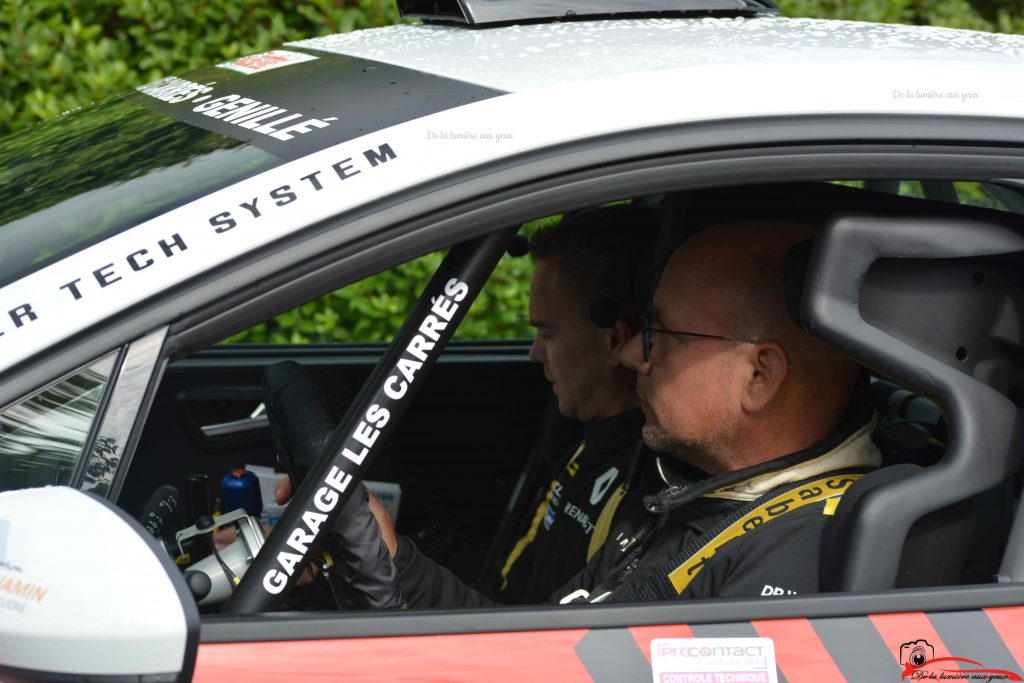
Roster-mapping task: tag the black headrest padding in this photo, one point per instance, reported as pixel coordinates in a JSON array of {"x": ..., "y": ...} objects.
[
  {"x": 794, "y": 274},
  {"x": 834, "y": 539},
  {"x": 935, "y": 549}
]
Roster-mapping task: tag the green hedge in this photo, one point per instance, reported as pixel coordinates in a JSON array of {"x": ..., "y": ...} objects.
[
  {"x": 979, "y": 15},
  {"x": 375, "y": 308},
  {"x": 58, "y": 56}
]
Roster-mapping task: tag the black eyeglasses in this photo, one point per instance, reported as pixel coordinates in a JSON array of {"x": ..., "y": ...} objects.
[{"x": 647, "y": 335}]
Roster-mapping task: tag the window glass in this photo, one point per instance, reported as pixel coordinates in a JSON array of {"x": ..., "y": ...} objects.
[
  {"x": 86, "y": 176},
  {"x": 373, "y": 309},
  {"x": 43, "y": 436},
  {"x": 987, "y": 195}
]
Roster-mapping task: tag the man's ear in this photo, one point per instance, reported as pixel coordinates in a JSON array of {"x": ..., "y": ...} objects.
[
  {"x": 616, "y": 337},
  {"x": 767, "y": 366}
]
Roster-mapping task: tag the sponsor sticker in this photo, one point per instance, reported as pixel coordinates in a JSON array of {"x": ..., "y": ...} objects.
[
  {"x": 265, "y": 61},
  {"x": 171, "y": 248},
  {"x": 244, "y": 112},
  {"x": 16, "y": 593},
  {"x": 713, "y": 660}
]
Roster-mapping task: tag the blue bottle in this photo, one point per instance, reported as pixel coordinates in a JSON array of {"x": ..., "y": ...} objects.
[{"x": 241, "y": 489}]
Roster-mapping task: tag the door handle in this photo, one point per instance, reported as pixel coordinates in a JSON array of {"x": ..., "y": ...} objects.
[{"x": 256, "y": 421}]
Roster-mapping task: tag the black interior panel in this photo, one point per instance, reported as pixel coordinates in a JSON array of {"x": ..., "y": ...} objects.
[{"x": 456, "y": 454}]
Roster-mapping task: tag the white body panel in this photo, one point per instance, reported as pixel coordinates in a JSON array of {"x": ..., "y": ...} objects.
[{"x": 82, "y": 592}]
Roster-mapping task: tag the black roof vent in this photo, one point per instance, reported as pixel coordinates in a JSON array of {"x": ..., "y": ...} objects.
[{"x": 484, "y": 12}]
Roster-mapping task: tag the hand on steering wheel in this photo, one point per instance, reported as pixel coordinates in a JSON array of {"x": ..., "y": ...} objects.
[
  {"x": 301, "y": 427},
  {"x": 283, "y": 493}
]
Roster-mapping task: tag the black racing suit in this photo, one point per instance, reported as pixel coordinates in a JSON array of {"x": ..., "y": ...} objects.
[
  {"x": 701, "y": 536},
  {"x": 753, "y": 532},
  {"x": 571, "y": 517}
]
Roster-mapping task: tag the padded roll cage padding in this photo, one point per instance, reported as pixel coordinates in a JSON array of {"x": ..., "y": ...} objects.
[{"x": 983, "y": 422}]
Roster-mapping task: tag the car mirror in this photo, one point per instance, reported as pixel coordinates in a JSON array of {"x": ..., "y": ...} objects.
[{"x": 85, "y": 590}]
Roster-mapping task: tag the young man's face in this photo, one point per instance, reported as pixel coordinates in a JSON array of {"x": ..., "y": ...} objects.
[{"x": 572, "y": 350}]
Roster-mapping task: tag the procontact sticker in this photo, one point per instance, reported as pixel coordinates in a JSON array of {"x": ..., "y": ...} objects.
[
  {"x": 713, "y": 660},
  {"x": 265, "y": 61}
]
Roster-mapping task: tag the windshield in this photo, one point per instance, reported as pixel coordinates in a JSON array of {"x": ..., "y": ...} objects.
[{"x": 88, "y": 175}]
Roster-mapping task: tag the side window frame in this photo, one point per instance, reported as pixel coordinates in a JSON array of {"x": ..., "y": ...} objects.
[{"x": 116, "y": 431}]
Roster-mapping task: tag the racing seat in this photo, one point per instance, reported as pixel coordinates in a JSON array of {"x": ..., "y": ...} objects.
[
  {"x": 933, "y": 554},
  {"x": 935, "y": 302},
  {"x": 960, "y": 544},
  {"x": 942, "y": 548}
]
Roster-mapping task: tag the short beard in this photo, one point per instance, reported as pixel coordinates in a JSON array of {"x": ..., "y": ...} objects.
[{"x": 698, "y": 453}]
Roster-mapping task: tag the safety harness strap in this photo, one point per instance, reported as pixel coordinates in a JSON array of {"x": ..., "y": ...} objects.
[
  {"x": 680, "y": 571},
  {"x": 538, "y": 516}
]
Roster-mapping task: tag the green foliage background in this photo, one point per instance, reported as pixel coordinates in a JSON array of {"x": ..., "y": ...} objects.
[{"x": 58, "y": 55}]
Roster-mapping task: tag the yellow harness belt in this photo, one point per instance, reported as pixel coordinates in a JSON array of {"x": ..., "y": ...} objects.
[{"x": 828, "y": 489}]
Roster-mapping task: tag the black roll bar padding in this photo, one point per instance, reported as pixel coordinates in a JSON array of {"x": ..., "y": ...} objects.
[
  {"x": 982, "y": 421},
  {"x": 370, "y": 420}
]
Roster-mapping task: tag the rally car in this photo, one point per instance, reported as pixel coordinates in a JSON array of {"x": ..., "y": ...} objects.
[{"x": 140, "y": 232}]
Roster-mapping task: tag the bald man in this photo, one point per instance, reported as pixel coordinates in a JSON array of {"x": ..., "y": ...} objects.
[{"x": 755, "y": 426}]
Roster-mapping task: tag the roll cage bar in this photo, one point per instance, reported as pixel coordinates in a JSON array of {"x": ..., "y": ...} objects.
[{"x": 370, "y": 420}]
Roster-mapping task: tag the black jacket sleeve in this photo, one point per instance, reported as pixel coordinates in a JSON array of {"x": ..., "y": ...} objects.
[
  {"x": 425, "y": 583},
  {"x": 362, "y": 559}
]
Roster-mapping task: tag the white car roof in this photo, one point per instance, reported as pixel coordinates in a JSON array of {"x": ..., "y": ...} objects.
[{"x": 523, "y": 57}]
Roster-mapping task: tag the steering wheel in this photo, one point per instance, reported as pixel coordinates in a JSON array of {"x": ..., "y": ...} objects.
[
  {"x": 300, "y": 423},
  {"x": 301, "y": 427}
]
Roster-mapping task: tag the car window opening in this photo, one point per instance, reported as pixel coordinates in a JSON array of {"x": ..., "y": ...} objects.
[{"x": 911, "y": 428}]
